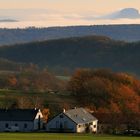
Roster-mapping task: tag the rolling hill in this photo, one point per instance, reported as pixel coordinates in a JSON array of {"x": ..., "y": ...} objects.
[
  {"x": 117, "y": 32},
  {"x": 78, "y": 52}
]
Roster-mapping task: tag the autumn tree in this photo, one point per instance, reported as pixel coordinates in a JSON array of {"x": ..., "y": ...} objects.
[
  {"x": 46, "y": 113},
  {"x": 105, "y": 90}
]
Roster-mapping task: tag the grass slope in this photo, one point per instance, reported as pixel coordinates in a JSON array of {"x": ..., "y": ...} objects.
[
  {"x": 54, "y": 101},
  {"x": 46, "y": 136}
]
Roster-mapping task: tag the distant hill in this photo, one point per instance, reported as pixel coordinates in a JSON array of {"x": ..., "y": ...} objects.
[
  {"x": 79, "y": 52},
  {"x": 117, "y": 32}
]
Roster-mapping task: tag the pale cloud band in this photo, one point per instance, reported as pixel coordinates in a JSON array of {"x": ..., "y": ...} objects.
[{"x": 44, "y": 13}]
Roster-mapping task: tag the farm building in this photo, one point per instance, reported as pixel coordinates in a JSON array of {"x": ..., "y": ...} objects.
[
  {"x": 76, "y": 120},
  {"x": 24, "y": 120}
]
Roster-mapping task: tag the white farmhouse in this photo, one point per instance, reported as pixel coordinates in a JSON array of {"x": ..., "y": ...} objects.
[
  {"x": 76, "y": 120},
  {"x": 23, "y": 120}
]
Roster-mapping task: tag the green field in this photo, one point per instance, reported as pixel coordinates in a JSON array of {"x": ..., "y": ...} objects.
[{"x": 45, "y": 136}]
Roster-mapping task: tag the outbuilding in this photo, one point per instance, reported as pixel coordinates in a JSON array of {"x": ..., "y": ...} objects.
[
  {"x": 23, "y": 120},
  {"x": 76, "y": 120}
]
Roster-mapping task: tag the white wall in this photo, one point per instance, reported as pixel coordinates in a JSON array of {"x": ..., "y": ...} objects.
[
  {"x": 82, "y": 128},
  {"x": 20, "y": 125},
  {"x": 37, "y": 120},
  {"x": 94, "y": 129}
]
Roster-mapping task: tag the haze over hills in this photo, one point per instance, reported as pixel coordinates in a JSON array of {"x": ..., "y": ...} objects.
[
  {"x": 117, "y": 32},
  {"x": 79, "y": 52}
]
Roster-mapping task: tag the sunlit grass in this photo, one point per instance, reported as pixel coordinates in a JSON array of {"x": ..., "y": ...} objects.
[{"x": 46, "y": 136}]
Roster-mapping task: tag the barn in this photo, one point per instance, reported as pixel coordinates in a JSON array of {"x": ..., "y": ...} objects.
[
  {"x": 22, "y": 120},
  {"x": 76, "y": 120}
]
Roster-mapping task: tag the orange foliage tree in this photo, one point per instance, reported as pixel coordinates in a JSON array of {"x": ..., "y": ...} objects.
[{"x": 105, "y": 90}]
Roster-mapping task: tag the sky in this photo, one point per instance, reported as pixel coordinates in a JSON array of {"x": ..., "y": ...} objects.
[{"x": 63, "y": 12}]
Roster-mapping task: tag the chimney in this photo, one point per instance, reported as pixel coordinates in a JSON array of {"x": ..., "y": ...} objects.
[{"x": 64, "y": 110}]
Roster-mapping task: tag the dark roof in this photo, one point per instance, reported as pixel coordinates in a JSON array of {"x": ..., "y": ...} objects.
[
  {"x": 18, "y": 114},
  {"x": 80, "y": 116}
]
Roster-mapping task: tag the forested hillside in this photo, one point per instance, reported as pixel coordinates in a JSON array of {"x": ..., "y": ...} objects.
[
  {"x": 117, "y": 32},
  {"x": 79, "y": 52}
]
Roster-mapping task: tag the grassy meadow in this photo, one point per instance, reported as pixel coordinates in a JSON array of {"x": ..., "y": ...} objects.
[{"x": 46, "y": 136}]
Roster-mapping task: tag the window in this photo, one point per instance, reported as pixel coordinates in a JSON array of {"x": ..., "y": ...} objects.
[
  {"x": 61, "y": 116},
  {"x": 79, "y": 125},
  {"x": 25, "y": 125},
  {"x": 61, "y": 126},
  {"x": 57, "y": 123},
  {"x": 6, "y": 125},
  {"x": 16, "y": 124}
]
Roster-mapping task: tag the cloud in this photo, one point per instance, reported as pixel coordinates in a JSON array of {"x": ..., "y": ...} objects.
[
  {"x": 8, "y": 20},
  {"x": 127, "y": 13},
  {"x": 47, "y": 18}
]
